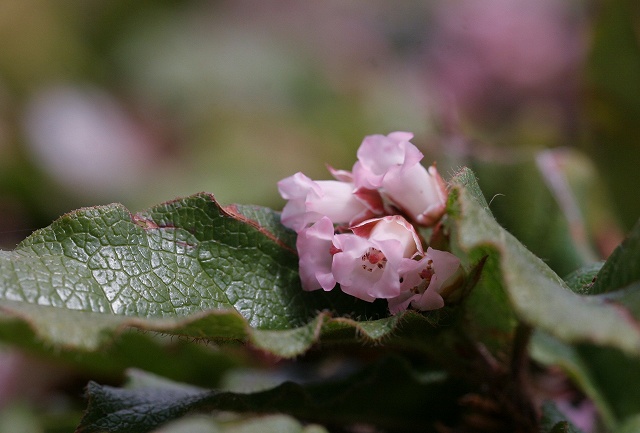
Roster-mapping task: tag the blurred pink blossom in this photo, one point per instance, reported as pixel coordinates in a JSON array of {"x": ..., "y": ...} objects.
[
  {"x": 583, "y": 415},
  {"x": 85, "y": 138},
  {"x": 492, "y": 56}
]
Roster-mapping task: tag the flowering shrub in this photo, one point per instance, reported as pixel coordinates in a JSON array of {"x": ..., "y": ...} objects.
[
  {"x": 358, "y": 230},
  {"x": 380, "y": 231}
]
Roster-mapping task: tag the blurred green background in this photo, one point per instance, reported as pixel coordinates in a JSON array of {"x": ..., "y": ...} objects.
[{"x": 140, "y": 102}]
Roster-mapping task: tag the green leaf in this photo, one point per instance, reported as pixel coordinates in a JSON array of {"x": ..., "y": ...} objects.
[
  {"x": 535, "y": 293},
  {"x": 618, "y": 285},
  {"x": 548, "y": 350},
  {"x": 604, "y": 373},
  {"x": 185, "y": 267},
  {"x": 621, "y": 268},
  {"x": 632, "y": 425},
  {"x": 266, "y": 221},
  {"x": 614, "y": 372},
  {"x": 412, "y": 402},
  {"x": 179, "y": 258},
  {"x": 189, "y": 267},
  {"x": 535, "y": 200},
  {"x": 581, "y": 280}
]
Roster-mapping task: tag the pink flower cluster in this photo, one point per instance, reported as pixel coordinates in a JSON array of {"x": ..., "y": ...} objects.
[{"x": 358, "y": 230}]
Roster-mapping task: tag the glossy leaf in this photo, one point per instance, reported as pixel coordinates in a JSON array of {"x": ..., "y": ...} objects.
[{"x": 185, "y": 267}]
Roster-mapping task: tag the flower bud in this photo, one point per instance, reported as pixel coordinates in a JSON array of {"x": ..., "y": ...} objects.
[
  {"x": 392, "y": 163},
  {"x": 309, "y": 201}
]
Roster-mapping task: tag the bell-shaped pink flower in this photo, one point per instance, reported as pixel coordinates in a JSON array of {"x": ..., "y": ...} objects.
[
  {"x": 371, "y": 198},
  {"x": 378, "y": 153},
  {"x": 392, "y": 163},
  {"x": 314, "y": 246},
  {"x": 310, "y": 200},
  {"x": 424, "y": 281},
  {"x": 366, "y": 263},
  {"x": 419, "y": 192},
  {"x": 392, "y": 227}
]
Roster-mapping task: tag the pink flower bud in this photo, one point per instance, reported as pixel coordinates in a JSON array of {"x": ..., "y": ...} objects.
[
  {"x": 366, "y": 263},
  {"x": 392, "y": 163},
  {"x": 314, "y": 246},
  {"x": 309, "y": 200},
  {"x": 378, "y": 153},
  {"x": 424, "y": 281}
]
